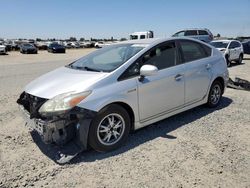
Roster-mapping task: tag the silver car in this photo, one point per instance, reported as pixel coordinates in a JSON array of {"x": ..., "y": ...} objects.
[
  {"x": 202, "y": 34},
  {"x": 98, "y": 99}
]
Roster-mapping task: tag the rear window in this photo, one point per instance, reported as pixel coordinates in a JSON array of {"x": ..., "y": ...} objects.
[
  {"x": 190, "y": 32},
  {"x": 193, "y": 51},
  {"x": 203, "y": 32}
]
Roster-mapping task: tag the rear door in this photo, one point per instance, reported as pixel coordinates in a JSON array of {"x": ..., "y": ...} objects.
[
  {"x": 237, "y": 49},
  {"x": 195, "y": 57},
  {"x": 203, "y": 35}
]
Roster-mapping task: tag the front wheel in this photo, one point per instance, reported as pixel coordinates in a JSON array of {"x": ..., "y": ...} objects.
[
  {"x": 239, "y": 61},
  {"x": 228, "y": 61},
  {"x": 215, "y": 94},
  {"x": 109, "y": 129}
]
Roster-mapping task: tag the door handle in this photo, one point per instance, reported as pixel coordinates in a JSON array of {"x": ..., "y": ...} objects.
[
  {"x": 208, "y": 66},
  {"x": 178, "y": 77}
]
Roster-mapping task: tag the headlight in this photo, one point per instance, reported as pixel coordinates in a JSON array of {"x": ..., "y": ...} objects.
[{"x": 63, "y": 102}]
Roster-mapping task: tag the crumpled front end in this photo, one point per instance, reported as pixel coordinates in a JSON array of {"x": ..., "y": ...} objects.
[{"x": 58, "y": 129}]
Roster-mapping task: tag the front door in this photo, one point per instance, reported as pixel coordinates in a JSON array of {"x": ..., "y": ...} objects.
[{"x": 163, "y": 92}]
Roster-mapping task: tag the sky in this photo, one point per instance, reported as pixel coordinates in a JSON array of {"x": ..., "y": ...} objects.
[{"x": 118, "y": 18}]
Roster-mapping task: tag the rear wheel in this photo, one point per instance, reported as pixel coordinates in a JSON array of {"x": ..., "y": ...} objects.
[
  {"x": 215, "y": 94},
  {"x": 109, "y": 129}
]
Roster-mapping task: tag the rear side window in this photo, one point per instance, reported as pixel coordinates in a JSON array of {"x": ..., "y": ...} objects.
[
  {"x": 193, "y": 51},
  {"x": 190, "y": 32},
  {"x": 202, "y": 32},
  {"x": 179, "y": 34}
]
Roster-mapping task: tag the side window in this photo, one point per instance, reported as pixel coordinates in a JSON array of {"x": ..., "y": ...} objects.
[
  {"x": 179, "y": 34},
  {"x": 190, "y": 32},
  {"x": 142, "y": 37},
  {"x": 162, "y": 57},
  {"x": 232, "y": 45},
  {"x": 207, "y": 50},
  {"x": 132, "y": 71},
  {"x": 202, "y": 32},
  {"x": 192, "y": 51},
  {"x": 237, "y": 44}
]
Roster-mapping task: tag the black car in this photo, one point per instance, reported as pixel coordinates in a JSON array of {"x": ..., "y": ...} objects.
[
  {"x": 56, "y": 48},
  {"x": 27, "y": 48},
  {"x": 246, "y": 47}
]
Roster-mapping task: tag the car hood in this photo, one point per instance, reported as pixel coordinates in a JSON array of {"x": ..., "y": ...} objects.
[
  {"x": 221, "y": 49},
  {"x": 62, "y": 80}
]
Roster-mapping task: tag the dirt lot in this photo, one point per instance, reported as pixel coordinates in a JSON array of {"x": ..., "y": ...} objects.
[{"x": 198, "y": 148}]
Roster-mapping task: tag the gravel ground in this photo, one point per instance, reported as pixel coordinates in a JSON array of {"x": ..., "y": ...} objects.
[{"x": 198, "y": 148}]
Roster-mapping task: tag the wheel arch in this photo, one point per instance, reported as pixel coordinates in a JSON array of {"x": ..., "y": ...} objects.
[
  {"x": 129, "y": 110},
  {"x": 221, "y": 80}
]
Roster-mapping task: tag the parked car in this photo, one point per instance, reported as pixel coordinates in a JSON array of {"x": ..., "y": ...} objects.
[
  {"x": 27, "y": 48},
  {"x": 41, "y": 45},
  {"x": 7, "y": 45},
  {"x": 201, "y": 34},
  {"x": 2, "y": 48},
  {"x": 75, "y": 45},
  {"x": 87, "y": 44},
  {"x": 56, "y": 48},
  {"x": 97, "y": 100},
  {"x": 101, "y": 44},
  {"x": 246, "y": 47},
  {"x": 232, "y": 50}
]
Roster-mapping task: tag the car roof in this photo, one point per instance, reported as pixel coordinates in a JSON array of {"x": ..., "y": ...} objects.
[
  {"x": 154, "y": 41},
  {"x": 224, "y": 40}
]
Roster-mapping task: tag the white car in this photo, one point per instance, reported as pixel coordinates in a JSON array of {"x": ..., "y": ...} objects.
[
  {"x": 2, "y": 49},
  {"x": 232, "y": 49}
]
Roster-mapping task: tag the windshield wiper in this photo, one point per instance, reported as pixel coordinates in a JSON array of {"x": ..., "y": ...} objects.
[
  {"x": 91, "y": 69},
  {"x": 82, "y": 68}
]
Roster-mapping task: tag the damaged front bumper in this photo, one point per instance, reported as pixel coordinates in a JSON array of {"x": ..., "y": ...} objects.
[{"x": 69, "y": 132}]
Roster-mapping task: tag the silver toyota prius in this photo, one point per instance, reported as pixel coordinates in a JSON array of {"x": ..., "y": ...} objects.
[{"x": 98, "y": 99}]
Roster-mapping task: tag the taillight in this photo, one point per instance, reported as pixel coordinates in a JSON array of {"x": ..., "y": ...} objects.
[{"x": 211, "y": 36}]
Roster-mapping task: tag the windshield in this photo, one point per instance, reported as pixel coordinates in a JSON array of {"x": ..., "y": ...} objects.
[
  {"x": 219, "y": 44},
  {"x": 107, "y": 59},
  {"x": 55, "y": 45},
  {"x": 28, "y": 45}
]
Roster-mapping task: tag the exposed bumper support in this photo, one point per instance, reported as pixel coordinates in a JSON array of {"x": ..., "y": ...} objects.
[{"x": 62, "y": 136}]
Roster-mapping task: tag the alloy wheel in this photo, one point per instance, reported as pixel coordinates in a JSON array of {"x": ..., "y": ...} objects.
[{"x": 110, "y": 129}]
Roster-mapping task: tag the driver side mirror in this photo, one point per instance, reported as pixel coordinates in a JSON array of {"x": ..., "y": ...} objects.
[{"x": 147, "y": 70}]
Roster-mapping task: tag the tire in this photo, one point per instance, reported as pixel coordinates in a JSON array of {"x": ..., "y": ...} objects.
[
  {"x": 215, "y": 94},
  {"x": 239, "y": 61},
  {"x": 109, "y": 129},
  {"x": 228, "y": 61}
]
